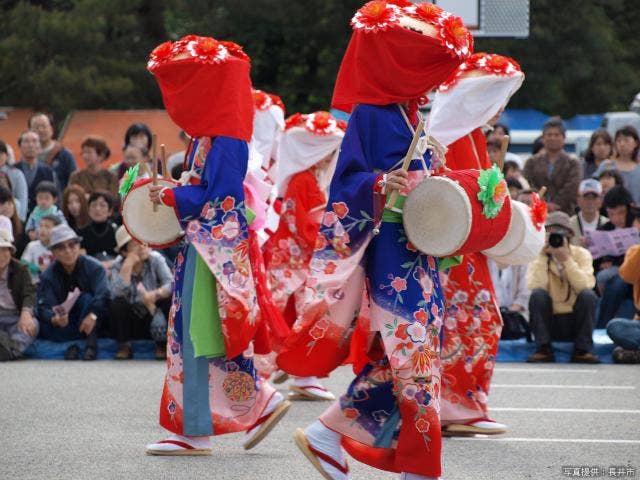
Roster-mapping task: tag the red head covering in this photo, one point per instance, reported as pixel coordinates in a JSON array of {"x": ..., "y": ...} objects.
[
  {"x": 205, "y": 86},
  {"x": 399, "y": 51}
]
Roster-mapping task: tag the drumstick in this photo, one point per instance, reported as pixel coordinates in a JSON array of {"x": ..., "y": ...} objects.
[
  {"x": 542, "y": 192},
  {"x": 154, "y": 163},
  {"x": 407, "y": 160},
  {"x": 503, "y": 151},
  {"x": 163, "y": 157}
]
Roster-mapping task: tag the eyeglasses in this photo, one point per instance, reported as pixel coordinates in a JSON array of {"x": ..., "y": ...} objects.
[{"x": 70, "y": 245}]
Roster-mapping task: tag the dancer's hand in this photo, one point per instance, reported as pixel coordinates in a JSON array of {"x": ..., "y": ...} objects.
[
  {"x": 397, "y": 180},
  {"x": 154, "y": 193}
]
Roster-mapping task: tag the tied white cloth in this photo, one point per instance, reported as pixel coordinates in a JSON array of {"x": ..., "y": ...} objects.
[
  {"x": 268, "y": 126},
  {"x": 299, "y": 150},
  {"x": 469, "y": 104}
]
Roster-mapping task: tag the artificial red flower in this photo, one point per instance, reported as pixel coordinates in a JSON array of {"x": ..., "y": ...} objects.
[
  {"x": 320, "y": 123},
  {"x": 261, "y": 100},
  {"x": 427, "y": 12},
  {"x": 340, "y": 209},
  {"x": 400, "y": 3},
  {"x": 342, "y": 125},
  {"x": 538, "y": 211},
  {"x": 277, "y": 101},
  {"x": 235, "y": 50},
  {"x": 455, "y": 36},
  {"x": 207, "y": 50},
  {"x": 375, "y": 16},
  {"x": 162, "y": 53},
  {"x": 294, "y": 120}
]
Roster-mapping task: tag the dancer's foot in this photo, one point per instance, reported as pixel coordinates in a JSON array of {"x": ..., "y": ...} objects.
[
  {"x": 309, "y": 388},
  {"x": 279, "y": 376},
  {"x": 483, "y": 426},
  {"x": 180, "y": 445},
  {"x": 276, "y": 409},
  {"x": 321, "y": 446}
]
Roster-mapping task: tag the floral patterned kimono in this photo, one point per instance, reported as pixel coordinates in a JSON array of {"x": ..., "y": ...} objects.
[
  {"x": 211, "y": 386},
  {"x": 472, "y": 324},
  {"x": 389, "y": 417}
]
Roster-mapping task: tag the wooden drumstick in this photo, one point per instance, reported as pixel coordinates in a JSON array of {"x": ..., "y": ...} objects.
[
  {"x": 154, "y": 163},
  {"x": 542, "y": 192},
  {"x": 407, "y": 161},
  {"x": 163, "y": 158},
  {"x": 503, "y": 151}
]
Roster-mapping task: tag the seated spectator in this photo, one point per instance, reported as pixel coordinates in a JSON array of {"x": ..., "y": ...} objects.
[
  {"x": 555, "y": 169},
  {"x": 18, "y": 184},
  {"x": 526, "y": 197},
  {"x": 625, "y": 160},
  {"x": 18, "y": 327},
  {"x": 588, "y": 216},
  {"x": 599, "y": 150},
  {"x": 46, "y": 198},
  {"x": 512, "y": 170},
  {"x": 140, "y": 296},
  {"x": 609, "y": 178},
  {"x": 138, "y": 135},
  {"x": 562, "y": 303},
  {"x": 625, "y": 332},
  {"x": 53, "y": 154},
  {"x": 496, "y": 135},
  {"x": 136, "y": 155},
  {"x": 8, "y": 209},
  {"x": 616, "y": 293},
  {"x": 99, "y": 236},
  {"x": 512, "y": 293},
  {"x": 34, "y": 172},
  {"x": 37, "y": 256},
  {"x": 75, "y": 207},
  {"x": 93, "y": 177},
  {"x": 71, "y": 271}
]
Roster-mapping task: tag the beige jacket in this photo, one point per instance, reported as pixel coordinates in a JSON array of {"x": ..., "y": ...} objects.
[{"x": 564, "y": 282}]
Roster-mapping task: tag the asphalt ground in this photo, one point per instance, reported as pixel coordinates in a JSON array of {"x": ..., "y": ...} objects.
[{"x": 75, "y": 420}]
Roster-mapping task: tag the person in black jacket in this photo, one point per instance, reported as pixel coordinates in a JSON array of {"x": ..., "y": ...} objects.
[
  {"x": 617, "y": 295},
  {"x": 18, "y": 327},
  {"x": 69, "y": 272}
]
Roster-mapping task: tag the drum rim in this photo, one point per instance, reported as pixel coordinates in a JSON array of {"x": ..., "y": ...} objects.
[{"x": 466, "y": 202}]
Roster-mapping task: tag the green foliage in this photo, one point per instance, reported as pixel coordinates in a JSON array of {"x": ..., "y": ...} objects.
[{"x": 582, "y": 55}]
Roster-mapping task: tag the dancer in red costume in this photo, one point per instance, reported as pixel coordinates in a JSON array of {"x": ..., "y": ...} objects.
[{"x": 478, "y": 91}]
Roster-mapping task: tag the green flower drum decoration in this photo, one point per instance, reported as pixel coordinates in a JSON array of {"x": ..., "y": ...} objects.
[{"x": 493, "y": 191}]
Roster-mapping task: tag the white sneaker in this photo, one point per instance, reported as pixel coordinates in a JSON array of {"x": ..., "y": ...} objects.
[
  {"x": 273, "y": 413},
  {"x": 180, "y": 445},
  {"x": 322, "y": 448}
]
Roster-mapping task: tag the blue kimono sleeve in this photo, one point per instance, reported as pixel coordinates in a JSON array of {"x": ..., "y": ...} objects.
[{"x": 222, "y": 176}]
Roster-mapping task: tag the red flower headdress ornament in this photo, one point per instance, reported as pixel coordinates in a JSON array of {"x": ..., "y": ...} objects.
[
  {"x": 319, "y": 123},
  {"x": 487, "y": 63},
  {"x": 200, "y": 49},
  {"x": 379, "y": 15},
  {"x": 263, "y": 100},
  {"x": 538, "y": 211}
]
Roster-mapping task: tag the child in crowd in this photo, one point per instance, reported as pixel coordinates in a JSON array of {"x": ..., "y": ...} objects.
[
  {"x": 75, "y": 207},
  {"x": 46, "y": 198},
  {"x": 37, "y": 255},
  {"x": 511, "y": 170},
  {"x": 99, "y": 236}
]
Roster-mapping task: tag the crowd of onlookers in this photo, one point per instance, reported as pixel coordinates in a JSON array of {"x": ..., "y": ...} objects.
[
  {"x": 70, "y": 271},
  {"x": 567, "y": 292}
]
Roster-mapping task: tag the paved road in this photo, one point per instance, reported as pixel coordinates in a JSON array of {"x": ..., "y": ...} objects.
[{"x": 73, "y": 420}]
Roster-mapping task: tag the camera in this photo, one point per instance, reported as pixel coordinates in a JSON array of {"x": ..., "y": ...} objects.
[{"x": 556, "y": 239}]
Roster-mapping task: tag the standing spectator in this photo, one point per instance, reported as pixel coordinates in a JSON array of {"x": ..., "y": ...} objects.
[
  {"x": 588, "y": 217},
  {"x": 600, "y": 149},
  {"x": 616, "y": 293},
  {"x": 75, "y": 207},
  {"x": 34, "y": 172},
  {"x": 625, "y": 161},
  {"x": 625, "y": 332},
  {"x": 37, "y": 255},
  {"x": 555, "y": 169},
  {"x": 93, "y": 177},
  {"x": 99, "y": 236},
  {"x": 512, "y": 170},
  {"x": 138, "y": 134},
  {"x": 71, "y": 271},
  {"x": 562, "y": 303},
  {"x": 18, "y": 183},
  {"x": 497, "y": 134},
  {"x": 9, "y": 210},
  {"x": 18, "y": 327},
  {"x": 140, "y": 296},
  {"x": 46, "y": 198},
  {"x": 53, "y": 154},
  {"x": 608, "y": 179}
]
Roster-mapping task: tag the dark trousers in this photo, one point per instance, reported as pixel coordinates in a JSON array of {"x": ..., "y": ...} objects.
[
  {"x": 71, "y": 332},
  {"x": 576, "y": 326},
  {"x": 616, "y": 301},
  {"x": 133, "y": 321}
]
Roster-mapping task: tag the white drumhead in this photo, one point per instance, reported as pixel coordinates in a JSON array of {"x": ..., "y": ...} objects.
[
  {"x": 437, "y": 216},
  {"x": 154, "y": 228},
  {"x": 522, "y": 243}
]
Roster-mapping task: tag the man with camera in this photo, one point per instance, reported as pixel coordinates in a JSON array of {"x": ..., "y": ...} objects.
[{"x": 562, "y": 303}]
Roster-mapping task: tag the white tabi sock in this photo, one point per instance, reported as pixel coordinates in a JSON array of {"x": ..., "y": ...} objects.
[{"x": 327, "y": 441}]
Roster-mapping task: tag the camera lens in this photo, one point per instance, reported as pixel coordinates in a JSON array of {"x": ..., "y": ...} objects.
[{"x": 556, "y": 240}]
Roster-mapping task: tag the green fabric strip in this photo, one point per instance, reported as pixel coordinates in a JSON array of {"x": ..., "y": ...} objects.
[
  {"x": 448, "y": 262},
  {"x": 205, "y": 328},
  {"x": 390, "y": 216}
]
